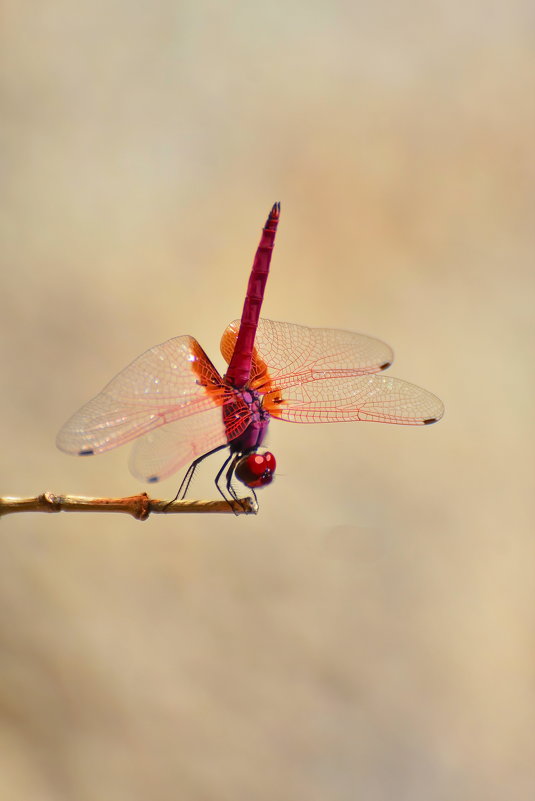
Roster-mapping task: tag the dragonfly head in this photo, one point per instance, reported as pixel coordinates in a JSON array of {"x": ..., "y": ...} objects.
[{"x": 256, "y": 469}]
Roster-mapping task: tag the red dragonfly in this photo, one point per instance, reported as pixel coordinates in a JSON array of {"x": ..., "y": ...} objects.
[{"x": 174, "y": 402}]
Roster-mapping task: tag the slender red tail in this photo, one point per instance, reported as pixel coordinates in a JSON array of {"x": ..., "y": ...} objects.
[{"x": 239, "y": 368}]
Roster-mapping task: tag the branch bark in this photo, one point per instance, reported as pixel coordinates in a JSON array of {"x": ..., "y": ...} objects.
[{"x": 139, "y": 506}]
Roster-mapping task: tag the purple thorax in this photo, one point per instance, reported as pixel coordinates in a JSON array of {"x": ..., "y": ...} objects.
[{"x": 253, "y": 436}]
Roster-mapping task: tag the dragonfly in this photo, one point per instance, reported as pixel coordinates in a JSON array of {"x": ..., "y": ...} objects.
[{"x": 179, "y": 409}]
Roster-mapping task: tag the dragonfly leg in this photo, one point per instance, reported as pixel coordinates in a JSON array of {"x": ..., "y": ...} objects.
[
  {"x": 220, "y": 473},
  {"x": 190, "y": 472},
  {"x": 230, "y": 472},
  {"x": 230, "y": 489}
]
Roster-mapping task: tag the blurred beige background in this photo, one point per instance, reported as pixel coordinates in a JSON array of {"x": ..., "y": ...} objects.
[{"x": 371, "y": 633}]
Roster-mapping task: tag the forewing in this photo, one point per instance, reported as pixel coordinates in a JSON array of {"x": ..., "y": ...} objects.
[
  {"x": 169, "y": 382},
  {"x": 376, "y": 398},
  {"x": 162, "y": 452},
  {"x": 287, "y": 355}
]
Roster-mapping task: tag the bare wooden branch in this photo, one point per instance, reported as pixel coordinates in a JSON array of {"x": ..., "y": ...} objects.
[{"x": 139, "y": 506}]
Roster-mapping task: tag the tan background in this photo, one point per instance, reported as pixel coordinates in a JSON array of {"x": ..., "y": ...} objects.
[{"x": 371, "y": 633}]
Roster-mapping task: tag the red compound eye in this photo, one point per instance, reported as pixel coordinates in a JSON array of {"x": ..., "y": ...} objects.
[
  {"x": 256, "y": 469},
  {"x": 270, "y": 461}
]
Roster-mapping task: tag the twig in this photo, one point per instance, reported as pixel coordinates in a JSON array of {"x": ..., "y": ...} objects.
[{"x": 139, "y": 506}]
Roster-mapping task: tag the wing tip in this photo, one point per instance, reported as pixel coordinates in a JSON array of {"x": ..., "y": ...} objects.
[{"x": 72, "y": 449}]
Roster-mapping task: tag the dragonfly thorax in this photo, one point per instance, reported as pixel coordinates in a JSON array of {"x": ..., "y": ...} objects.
[{"x": 246, "y": 404}]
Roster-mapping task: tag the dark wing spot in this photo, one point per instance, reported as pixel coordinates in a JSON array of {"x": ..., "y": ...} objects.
[
  {"x": 385, "y": 365},
  {"x": 431, "y": 420},
  {"x": 153, "y": 479},
  {"x": 86, "y": 452}
]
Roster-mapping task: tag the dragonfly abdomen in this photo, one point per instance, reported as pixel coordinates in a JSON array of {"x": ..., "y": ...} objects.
[{"x": 239, "y": 368}]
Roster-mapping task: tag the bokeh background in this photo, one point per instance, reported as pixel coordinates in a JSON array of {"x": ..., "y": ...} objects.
[{"x": 371, "y": 633}]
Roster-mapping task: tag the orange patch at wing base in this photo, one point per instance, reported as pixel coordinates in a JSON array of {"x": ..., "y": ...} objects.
[
  {"x": 207, "y": 375},
  {"x": 261, "y": 382},
  {"x": 260, "y": 379}
]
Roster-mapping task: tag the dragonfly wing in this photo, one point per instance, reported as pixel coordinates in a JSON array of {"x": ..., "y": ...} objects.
[
  {"x": 168, "y": 382},
  {"x": 377, "y": 398},
  {"x": 323, "y": 375},
  {"x": 162, "y": 452},
  {"x": 287, "y": 354}
]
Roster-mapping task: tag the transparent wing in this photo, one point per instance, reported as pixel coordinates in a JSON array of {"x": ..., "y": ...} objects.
[
  {"x": 377, "y": 398},
  {"x": 162, "y": 452},
  {"x": 324, "y": 375},
  {"x": 169, "y": 382},
  {"x": 287, "y": 355}
]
